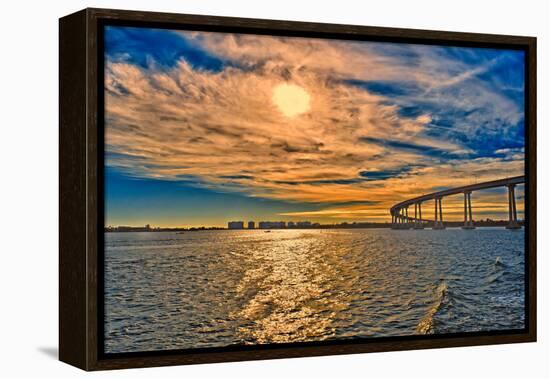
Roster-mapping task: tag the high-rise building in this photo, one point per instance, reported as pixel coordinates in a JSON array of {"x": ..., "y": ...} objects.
[{"x": 235, "y": 225}]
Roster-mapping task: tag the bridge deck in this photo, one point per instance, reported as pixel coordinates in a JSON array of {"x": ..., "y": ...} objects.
[{"x": 454, "y": 191}]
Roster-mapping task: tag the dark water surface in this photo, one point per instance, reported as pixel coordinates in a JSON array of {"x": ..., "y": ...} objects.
[{"x": 218, "y": 288}]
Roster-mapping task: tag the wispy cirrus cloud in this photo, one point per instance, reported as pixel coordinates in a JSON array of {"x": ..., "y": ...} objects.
[{"x": 385, "y": 121}]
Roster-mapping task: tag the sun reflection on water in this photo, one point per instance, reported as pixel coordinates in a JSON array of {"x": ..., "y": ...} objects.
[
  {"x": 294, "y": 298},
  {"x": 211, "y": 289}
]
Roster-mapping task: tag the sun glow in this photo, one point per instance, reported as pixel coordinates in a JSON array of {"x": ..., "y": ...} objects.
[{"x": 292, "y": 100}]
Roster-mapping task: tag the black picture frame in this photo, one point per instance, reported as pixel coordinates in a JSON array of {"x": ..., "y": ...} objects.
[{"x": 81, "y": 188}]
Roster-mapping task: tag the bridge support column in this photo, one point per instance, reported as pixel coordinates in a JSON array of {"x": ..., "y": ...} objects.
[
  {"x": 468, "y": 221},
  {"x": 512, "y": 211},
  {"x": 399, "y": 219},
  {"x": 418, "y": 219},
  {"x": 435, "y": 215},
  {"x": 438, "y": 223},
  {"x": 407, "y": 220},
  {"x": 395, "y": 217}
]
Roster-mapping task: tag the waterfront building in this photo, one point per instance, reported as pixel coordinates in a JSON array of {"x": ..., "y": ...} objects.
[
  {"x": 235, "y": 225},
  {"x": 272, "y": 224}
]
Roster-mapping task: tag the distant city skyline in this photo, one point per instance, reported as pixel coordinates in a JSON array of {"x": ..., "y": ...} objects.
[
  {"x": 202, "y": 127},
  {"x": 254, "y": 224}
]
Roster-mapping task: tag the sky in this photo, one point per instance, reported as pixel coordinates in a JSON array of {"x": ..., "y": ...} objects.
[{"x": 202, "y": 128}]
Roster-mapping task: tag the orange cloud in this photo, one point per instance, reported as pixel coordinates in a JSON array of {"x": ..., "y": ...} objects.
[{"x": 223, "y": 129}]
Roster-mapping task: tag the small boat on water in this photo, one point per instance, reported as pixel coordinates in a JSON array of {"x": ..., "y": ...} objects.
[{"x": 267, "y": 231}]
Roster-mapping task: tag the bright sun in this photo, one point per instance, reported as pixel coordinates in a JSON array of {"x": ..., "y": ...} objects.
[{"x": 291, "y": 99}]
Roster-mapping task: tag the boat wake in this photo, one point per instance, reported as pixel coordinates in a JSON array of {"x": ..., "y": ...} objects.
[{"x": 426, "y": 325}]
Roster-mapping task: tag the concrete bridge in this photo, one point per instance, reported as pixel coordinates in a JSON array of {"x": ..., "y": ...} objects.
[{"x": 402, "y": 220}]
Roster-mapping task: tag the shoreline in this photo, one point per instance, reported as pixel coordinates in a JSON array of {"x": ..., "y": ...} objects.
[{"x": 450, "y": 225}]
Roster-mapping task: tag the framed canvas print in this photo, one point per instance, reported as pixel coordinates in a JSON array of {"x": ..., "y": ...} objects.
[{"x": 238, "y": 189}]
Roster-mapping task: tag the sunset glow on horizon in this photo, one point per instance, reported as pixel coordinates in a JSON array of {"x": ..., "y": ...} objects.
[{"x": 202, "y": 128}]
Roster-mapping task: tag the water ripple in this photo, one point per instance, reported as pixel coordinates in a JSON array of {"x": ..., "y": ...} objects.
[{"x": 218, "y": 288}]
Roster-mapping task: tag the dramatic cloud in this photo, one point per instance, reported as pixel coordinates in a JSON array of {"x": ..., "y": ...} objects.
[{"x": 384, "y": 122}]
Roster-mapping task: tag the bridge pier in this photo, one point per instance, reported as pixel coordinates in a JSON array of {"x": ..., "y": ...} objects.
[
  {"x": 438, "y": 221},
  {"x": 512, "y": 211},
  {"x": 418, "y": 224},
  {"x": 468, "y": 221},
  {"x": 401, "y": 219},
  {"x": 396, "y": 219}
]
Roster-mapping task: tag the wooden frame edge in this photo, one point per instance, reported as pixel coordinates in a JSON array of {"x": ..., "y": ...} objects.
[
  {"x": 72, "y": 193},
  {"x": 78, "y": 196}
]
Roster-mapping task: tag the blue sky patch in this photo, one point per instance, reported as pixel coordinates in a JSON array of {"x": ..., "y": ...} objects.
[{"x": 142, "y": 47}]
